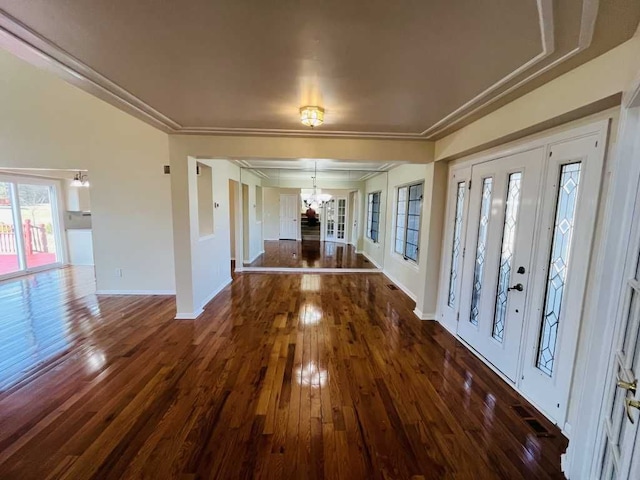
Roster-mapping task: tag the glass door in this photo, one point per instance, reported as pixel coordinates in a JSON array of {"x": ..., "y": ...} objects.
[
  {"x": 29, "y": 226},
  {"x": 497, "y": 259},
  {"x": 38, "y": 224},
  {"x": 330, "y": 222},
  {"x": 10, "y": 255},
  {"x": 341, "y": 220}
]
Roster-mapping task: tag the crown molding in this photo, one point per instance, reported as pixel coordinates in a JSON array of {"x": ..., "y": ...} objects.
[{"x": 23, "y": 42}]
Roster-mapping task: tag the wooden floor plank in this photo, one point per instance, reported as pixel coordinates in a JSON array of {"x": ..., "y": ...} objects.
[{"x": 283, "y": 376}]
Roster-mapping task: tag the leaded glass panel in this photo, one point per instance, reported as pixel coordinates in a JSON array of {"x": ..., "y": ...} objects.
[
  {"x": 566, "y": 204},
  {"x": 506, "y": 255},
  {"x": 455, "y": 248},
  {"x": 483, "y": 224}
]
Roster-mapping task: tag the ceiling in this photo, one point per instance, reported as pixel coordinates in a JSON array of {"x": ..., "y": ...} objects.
[{"x": 408, "y": 69}]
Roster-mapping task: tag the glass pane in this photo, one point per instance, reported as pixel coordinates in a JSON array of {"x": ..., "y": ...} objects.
[
  {"x": 558, "y": 264},
  {"x": 483, "y": 224},
  {"x": 36, "y": 207},
  {"x": 9, "y": 262},
  {"x": 455, "y": 248},
  {"x": 402, "y": 194},
  {"x": 506, "y": 256}
]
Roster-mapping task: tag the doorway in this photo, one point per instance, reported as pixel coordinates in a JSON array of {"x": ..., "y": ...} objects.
[
  {"x": 353, "y": 216},
  {"x": 30, "y": 232},
  {"x": 289, "y": 214},
  {"x": 515, "y": 286},
  {"x": 336, "y": 220}
]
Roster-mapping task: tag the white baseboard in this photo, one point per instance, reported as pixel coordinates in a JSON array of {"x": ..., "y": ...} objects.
[
  {"x": 424, "y": 316},
  {"x": 197, "y": 313},
  {"x": 313, "y": 270},
  {"x": 189, "y": 316},
  {"x": 135, "y": 292},
  {"x": 215, "y": 292},
  {"x": 247, "y": 262},
  {"x": 402, "y": 287},
  {"x": 377, "y": 265}
]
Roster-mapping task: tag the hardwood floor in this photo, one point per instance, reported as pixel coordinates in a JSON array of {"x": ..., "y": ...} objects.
[
  {"x": 283, "y": 376},
  {"x": 293, "y": 254}
]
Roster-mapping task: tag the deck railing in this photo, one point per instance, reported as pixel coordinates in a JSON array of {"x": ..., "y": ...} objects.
[{"x": 35, "y": 238}]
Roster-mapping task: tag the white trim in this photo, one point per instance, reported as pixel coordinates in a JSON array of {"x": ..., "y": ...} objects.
[
  {"x": 582, "y": 456},
  {"x": 371, "y": 260},
  {"x": 309, "y": 270},
  {"x": 255, "y": 257},
  {"x": 424, "y": 316},
  {"x": 135, "y": 292},
  {"x": 200, "y": 311},
  {"x": 213, "y": 294},
  {"x": 400, "y": 285},
  {"x": 189, "y": 316}
]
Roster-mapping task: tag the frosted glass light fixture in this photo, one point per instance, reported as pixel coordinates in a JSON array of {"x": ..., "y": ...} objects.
[{"x": 311, "y": 116}]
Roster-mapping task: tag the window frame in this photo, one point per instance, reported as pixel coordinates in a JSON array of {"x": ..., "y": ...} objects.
[
  {"x": 405, "y": 226},
  {"x": 370, "y": 203}
]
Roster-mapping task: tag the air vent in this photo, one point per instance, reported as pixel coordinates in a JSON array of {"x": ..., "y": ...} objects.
[{"x": 525, "y": 413}]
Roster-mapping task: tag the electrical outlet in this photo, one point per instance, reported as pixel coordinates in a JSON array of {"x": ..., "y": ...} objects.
[{"x": 119, "y": 272}]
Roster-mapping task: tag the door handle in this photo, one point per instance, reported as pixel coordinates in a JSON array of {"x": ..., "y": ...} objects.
[
  {"x": 632, "y": 387},
  {"x": 630, "y": 403},
  {"x": 519, "y": 287}
]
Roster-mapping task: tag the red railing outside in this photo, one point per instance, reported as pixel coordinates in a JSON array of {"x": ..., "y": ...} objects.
[{"x": 35, "y": 238}]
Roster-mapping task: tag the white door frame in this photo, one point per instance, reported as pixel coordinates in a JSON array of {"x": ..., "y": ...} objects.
[
  {"x": 57, "y": 207},
  {"x": 581, "y": 459},
  {"x": 599, "y": 127}
]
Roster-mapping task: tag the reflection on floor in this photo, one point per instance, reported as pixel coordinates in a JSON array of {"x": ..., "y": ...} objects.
[
  {"x": 293, "y": 254},
  {"x": 9, "y": 261},
  {"x": 283, "y": 376},
  {"x": 37, "y": 315}
]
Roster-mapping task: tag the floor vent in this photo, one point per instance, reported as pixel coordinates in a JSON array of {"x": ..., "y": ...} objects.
[
  {"x": 539, "y": 429},
  {"x": 391, "y": 286}
]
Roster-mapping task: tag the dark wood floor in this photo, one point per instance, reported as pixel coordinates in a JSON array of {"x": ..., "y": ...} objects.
[
  {"x": 294, "y": 254},
  {"x": 283, "y": 376}
]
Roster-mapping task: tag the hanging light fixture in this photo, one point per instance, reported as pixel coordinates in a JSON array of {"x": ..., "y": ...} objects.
[
  {"x": 311, "y": 116},
  {"x": 314, "y": 197},
  {"x": 80, "y": 180}
]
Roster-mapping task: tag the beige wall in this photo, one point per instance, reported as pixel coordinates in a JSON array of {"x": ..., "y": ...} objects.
[{"x": 47, "y": 123}]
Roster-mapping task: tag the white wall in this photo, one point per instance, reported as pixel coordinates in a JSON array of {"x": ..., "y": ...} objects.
[{"x": 47, "y": 123}]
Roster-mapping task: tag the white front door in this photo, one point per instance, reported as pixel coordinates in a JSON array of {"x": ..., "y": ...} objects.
[
  {"x": 530, "y": 226},
  {"x": 619, "y": 456},
  {"x": 497, "y": 260},
  {"x": 289, "y": 215}
]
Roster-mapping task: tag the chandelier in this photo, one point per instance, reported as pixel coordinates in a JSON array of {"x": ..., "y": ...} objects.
[
  {"x": 314, "y": 197},
  {"x": 312, "y": 116},
  {"x": 80, "y": 180}
]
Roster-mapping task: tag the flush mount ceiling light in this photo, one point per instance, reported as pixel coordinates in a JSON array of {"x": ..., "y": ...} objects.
[
  {"x": 311, "y": 116},
  {"x": 80, "y": 180}
]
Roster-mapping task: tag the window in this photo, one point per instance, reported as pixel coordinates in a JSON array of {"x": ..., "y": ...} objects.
[
  {"x": 408, "y": 211},
  {"x": 373, "y": 216}
]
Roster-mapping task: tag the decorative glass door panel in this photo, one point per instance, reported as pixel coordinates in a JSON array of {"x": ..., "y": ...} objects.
[
  {"x": 502, "y": 214},
  {"x": 342, "y": 219},
  {"x": 330, "y": 209},
  {"x": 566, "y": 226}
]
